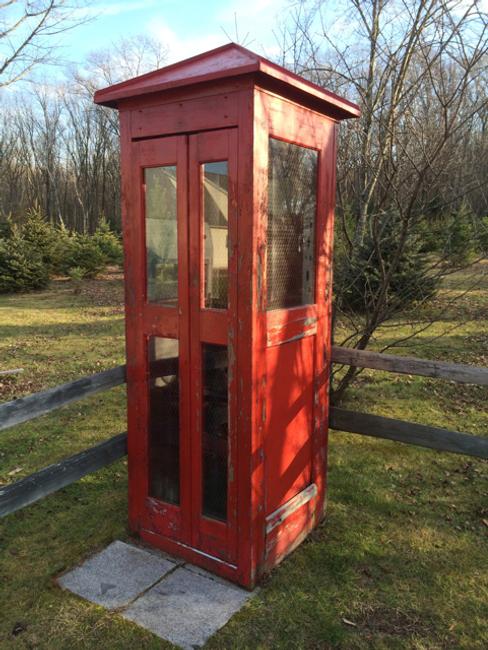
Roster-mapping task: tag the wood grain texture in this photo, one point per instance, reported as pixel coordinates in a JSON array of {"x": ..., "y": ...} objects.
[
  {"x": 408, "y": 432},
  {"x": 458, "y": 372},
  {"x": 32, "y": 406},
  {"x": 54, "y": 477},
  {"x": 215, "y": 112},
  {"x": 277, "y": 517}
]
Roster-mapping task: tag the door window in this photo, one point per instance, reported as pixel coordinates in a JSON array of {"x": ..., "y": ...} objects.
[
  {"x": 164, "y": 421},
  {"x": 161, "y": 235},
  {"x": 215, "y": 431},
  {"x": 216, "y": 230}
]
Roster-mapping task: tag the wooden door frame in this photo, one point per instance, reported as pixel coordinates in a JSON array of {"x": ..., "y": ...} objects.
[
  {"x": 191, "y": 325},
  {"x": 145, "y": 320},
  {"x": 215, "y": 327}
]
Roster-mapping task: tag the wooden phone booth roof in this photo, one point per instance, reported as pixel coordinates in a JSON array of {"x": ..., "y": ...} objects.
[{"x": 224, "y": 62}]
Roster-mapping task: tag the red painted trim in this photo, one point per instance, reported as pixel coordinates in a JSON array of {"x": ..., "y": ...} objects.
[
  {"x": 257, "y": 396},
  {"x": 217, "y": 111},
  {"x": 187, "y": 93},
  {"x": 133, "y": 334},
  {"x": 291, "y": 330},
  {"x": 241, "y": 336},
  {"x": 184, "y": 339},
  {"x": 160, "y": 321},
  {"x": 213, "y": 328}
]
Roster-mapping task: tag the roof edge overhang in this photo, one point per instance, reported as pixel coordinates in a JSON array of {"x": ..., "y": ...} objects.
[{"x": 265, "y": 72}]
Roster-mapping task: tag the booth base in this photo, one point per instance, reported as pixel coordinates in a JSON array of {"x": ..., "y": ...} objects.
[{"x": 176, "y": 601}]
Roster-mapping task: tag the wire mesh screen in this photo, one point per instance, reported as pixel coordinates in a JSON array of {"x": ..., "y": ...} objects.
[{"x": 292, "y": 202}]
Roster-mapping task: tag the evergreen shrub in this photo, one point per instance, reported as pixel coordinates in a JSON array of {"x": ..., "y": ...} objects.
[
  {"x": 359, "y": 277},
  {"x": 21, "y": 266},
  {"x": 108, "y": 242},
  {"x": 83, "y": 252},
  {"x": 33, "y": 250}
]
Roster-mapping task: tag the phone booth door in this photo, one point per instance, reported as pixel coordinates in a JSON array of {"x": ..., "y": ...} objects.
[{"x": 181, "y": 335}]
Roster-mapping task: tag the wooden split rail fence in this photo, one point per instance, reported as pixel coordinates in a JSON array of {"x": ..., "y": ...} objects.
[{"x": 54, "y": 477}]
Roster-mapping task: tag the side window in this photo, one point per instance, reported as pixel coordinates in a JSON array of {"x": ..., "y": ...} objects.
[{"x": 292, "y": 203}]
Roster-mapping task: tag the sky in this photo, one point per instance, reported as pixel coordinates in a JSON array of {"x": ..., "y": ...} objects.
[{"x": 186, "y": 27}]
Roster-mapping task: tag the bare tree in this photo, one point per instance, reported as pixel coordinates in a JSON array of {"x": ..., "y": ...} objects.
[
  {"x": 59, "y": 151},
  {"x": 126, "y": 58},
  {"x": 92, "y": 134},
  {"x": 417, "y": 68},
  {"x": 27, "y": 33}
]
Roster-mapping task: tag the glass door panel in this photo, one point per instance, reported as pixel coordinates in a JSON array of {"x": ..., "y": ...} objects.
[
  {"x": 215, "y": 431},
  {"x": 164, "y": 420},
  {"x": 161, "y": 235},
  {"x": 216, "y": 233},
  {"x": 292, "y": 206}
]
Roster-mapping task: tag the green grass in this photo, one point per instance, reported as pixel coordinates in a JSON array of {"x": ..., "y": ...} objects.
[{"x": 402, "y": 554}]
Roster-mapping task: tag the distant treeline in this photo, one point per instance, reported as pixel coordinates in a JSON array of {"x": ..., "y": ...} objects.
[
  {"x": 60, "y": 153},
  {"x": 32, "y": 251}
]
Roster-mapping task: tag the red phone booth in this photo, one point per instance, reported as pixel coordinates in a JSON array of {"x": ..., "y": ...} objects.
[{"x": 228, "y": 183}]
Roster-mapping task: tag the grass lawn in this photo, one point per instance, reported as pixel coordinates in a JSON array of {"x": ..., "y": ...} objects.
[{"x": 400, "y": 562}]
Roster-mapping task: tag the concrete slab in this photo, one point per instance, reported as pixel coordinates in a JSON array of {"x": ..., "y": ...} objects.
[
  {"x": 117, "y": 575},
  {"x": 187, "y": 607}
]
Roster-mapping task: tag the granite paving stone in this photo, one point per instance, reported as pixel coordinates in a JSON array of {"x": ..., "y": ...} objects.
[
  {"x": 187, "y": 607},
  {"x": 117, "y": 575}
]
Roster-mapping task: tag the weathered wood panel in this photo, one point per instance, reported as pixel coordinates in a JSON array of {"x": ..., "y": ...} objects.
[
  {"x": 408, "y": 432},
  {"x": 277, "y": 517},
  {"x": 216, "y": 112},
  {"x": 32, "y": 406},
  {"x": 409, "y": 365},
  {"x": 54, "y": 477}
]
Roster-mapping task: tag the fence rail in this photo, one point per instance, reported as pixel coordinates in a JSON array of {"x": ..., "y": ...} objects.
[
  {"x": 54, "y": 477},
  {"x": 421, "y": 435},
  {"x": 457, "y": 372},
  {"x": 30, "y": 407}
]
